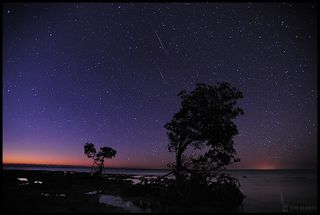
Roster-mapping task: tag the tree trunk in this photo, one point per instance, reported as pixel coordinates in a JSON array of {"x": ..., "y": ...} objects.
[
  {"x": 101, "y": 166},
  {"x": 178, "y": 170}
]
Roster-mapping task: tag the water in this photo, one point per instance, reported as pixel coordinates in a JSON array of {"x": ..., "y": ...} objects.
[
  {"x": 141, "y": 172},
  {"x": 265, "y": 190},
  {"x": 278, "y": 190},
  {"x": 117, "y": 201}
]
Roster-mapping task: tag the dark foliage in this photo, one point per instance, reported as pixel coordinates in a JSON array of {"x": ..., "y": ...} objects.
[
  {"x": 204, "y": 124},
  {"x": 98, "y": 158},
  {"x": 162, "y": 195}
]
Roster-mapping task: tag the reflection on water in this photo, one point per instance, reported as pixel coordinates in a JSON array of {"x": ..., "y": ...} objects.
[
  {"x": 137, "y": 179},
  {"x": 91, "y": 193},
  {"x": 273, "y": 191},
  {"x": 118, "y": 202},
  {"x": 24, "y": 181}
]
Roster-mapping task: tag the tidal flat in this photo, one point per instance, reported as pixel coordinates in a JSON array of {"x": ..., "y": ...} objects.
[{"x": 68, "y": 191}]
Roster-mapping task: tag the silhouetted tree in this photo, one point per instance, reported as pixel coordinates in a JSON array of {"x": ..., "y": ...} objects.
[
  {"x": 98, "y": 158},
  {"x": 201, "y": 132}
]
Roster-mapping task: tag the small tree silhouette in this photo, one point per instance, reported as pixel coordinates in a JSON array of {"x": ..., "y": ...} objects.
[
  {"x": 98, "y": 158},
  {"x": 204, "y": 125}
]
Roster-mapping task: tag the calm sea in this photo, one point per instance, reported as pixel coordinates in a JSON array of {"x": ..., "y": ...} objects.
[
  {"x": 278, "y": 190},
  {"x": 156, "y": 172},
  {"x": 265, "y": 190}
]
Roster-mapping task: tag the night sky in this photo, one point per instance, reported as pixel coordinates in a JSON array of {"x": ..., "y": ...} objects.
[{"x": 110, "y": 74}]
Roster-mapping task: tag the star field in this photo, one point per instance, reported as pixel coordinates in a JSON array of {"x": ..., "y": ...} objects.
[{"x": 110, "y": 73}]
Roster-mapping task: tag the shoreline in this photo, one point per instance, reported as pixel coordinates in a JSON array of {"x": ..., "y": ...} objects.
[
  {"x": 260, "y": 191},
  {"x": 51, "y": 191},
  {"x": 62, "y": 191}
]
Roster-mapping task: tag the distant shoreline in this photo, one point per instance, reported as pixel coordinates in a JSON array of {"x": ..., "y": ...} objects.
[
  {"x": 138, "y": 168},
  {"x": 76, "y": 166}
]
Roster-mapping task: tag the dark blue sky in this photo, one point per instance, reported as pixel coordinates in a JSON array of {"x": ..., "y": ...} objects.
[{"x": 110, "y": 74}]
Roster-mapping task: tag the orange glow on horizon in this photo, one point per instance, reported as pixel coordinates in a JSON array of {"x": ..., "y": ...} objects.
[
  {"x": 36, "y": 159},
  {"x": 266, "y": 166},
  {"x": 39, "y": 159}
]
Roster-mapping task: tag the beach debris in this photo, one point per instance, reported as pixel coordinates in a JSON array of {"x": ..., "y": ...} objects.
[
  {"x": 22, "y": 179},
  {"x": 91, "y": 193},
  {"x": 38, "y": 182},
  {"x": 45, "y": 194}
]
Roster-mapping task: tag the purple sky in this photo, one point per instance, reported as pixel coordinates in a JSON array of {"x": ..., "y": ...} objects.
[{"x": 110, "y": 74}]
